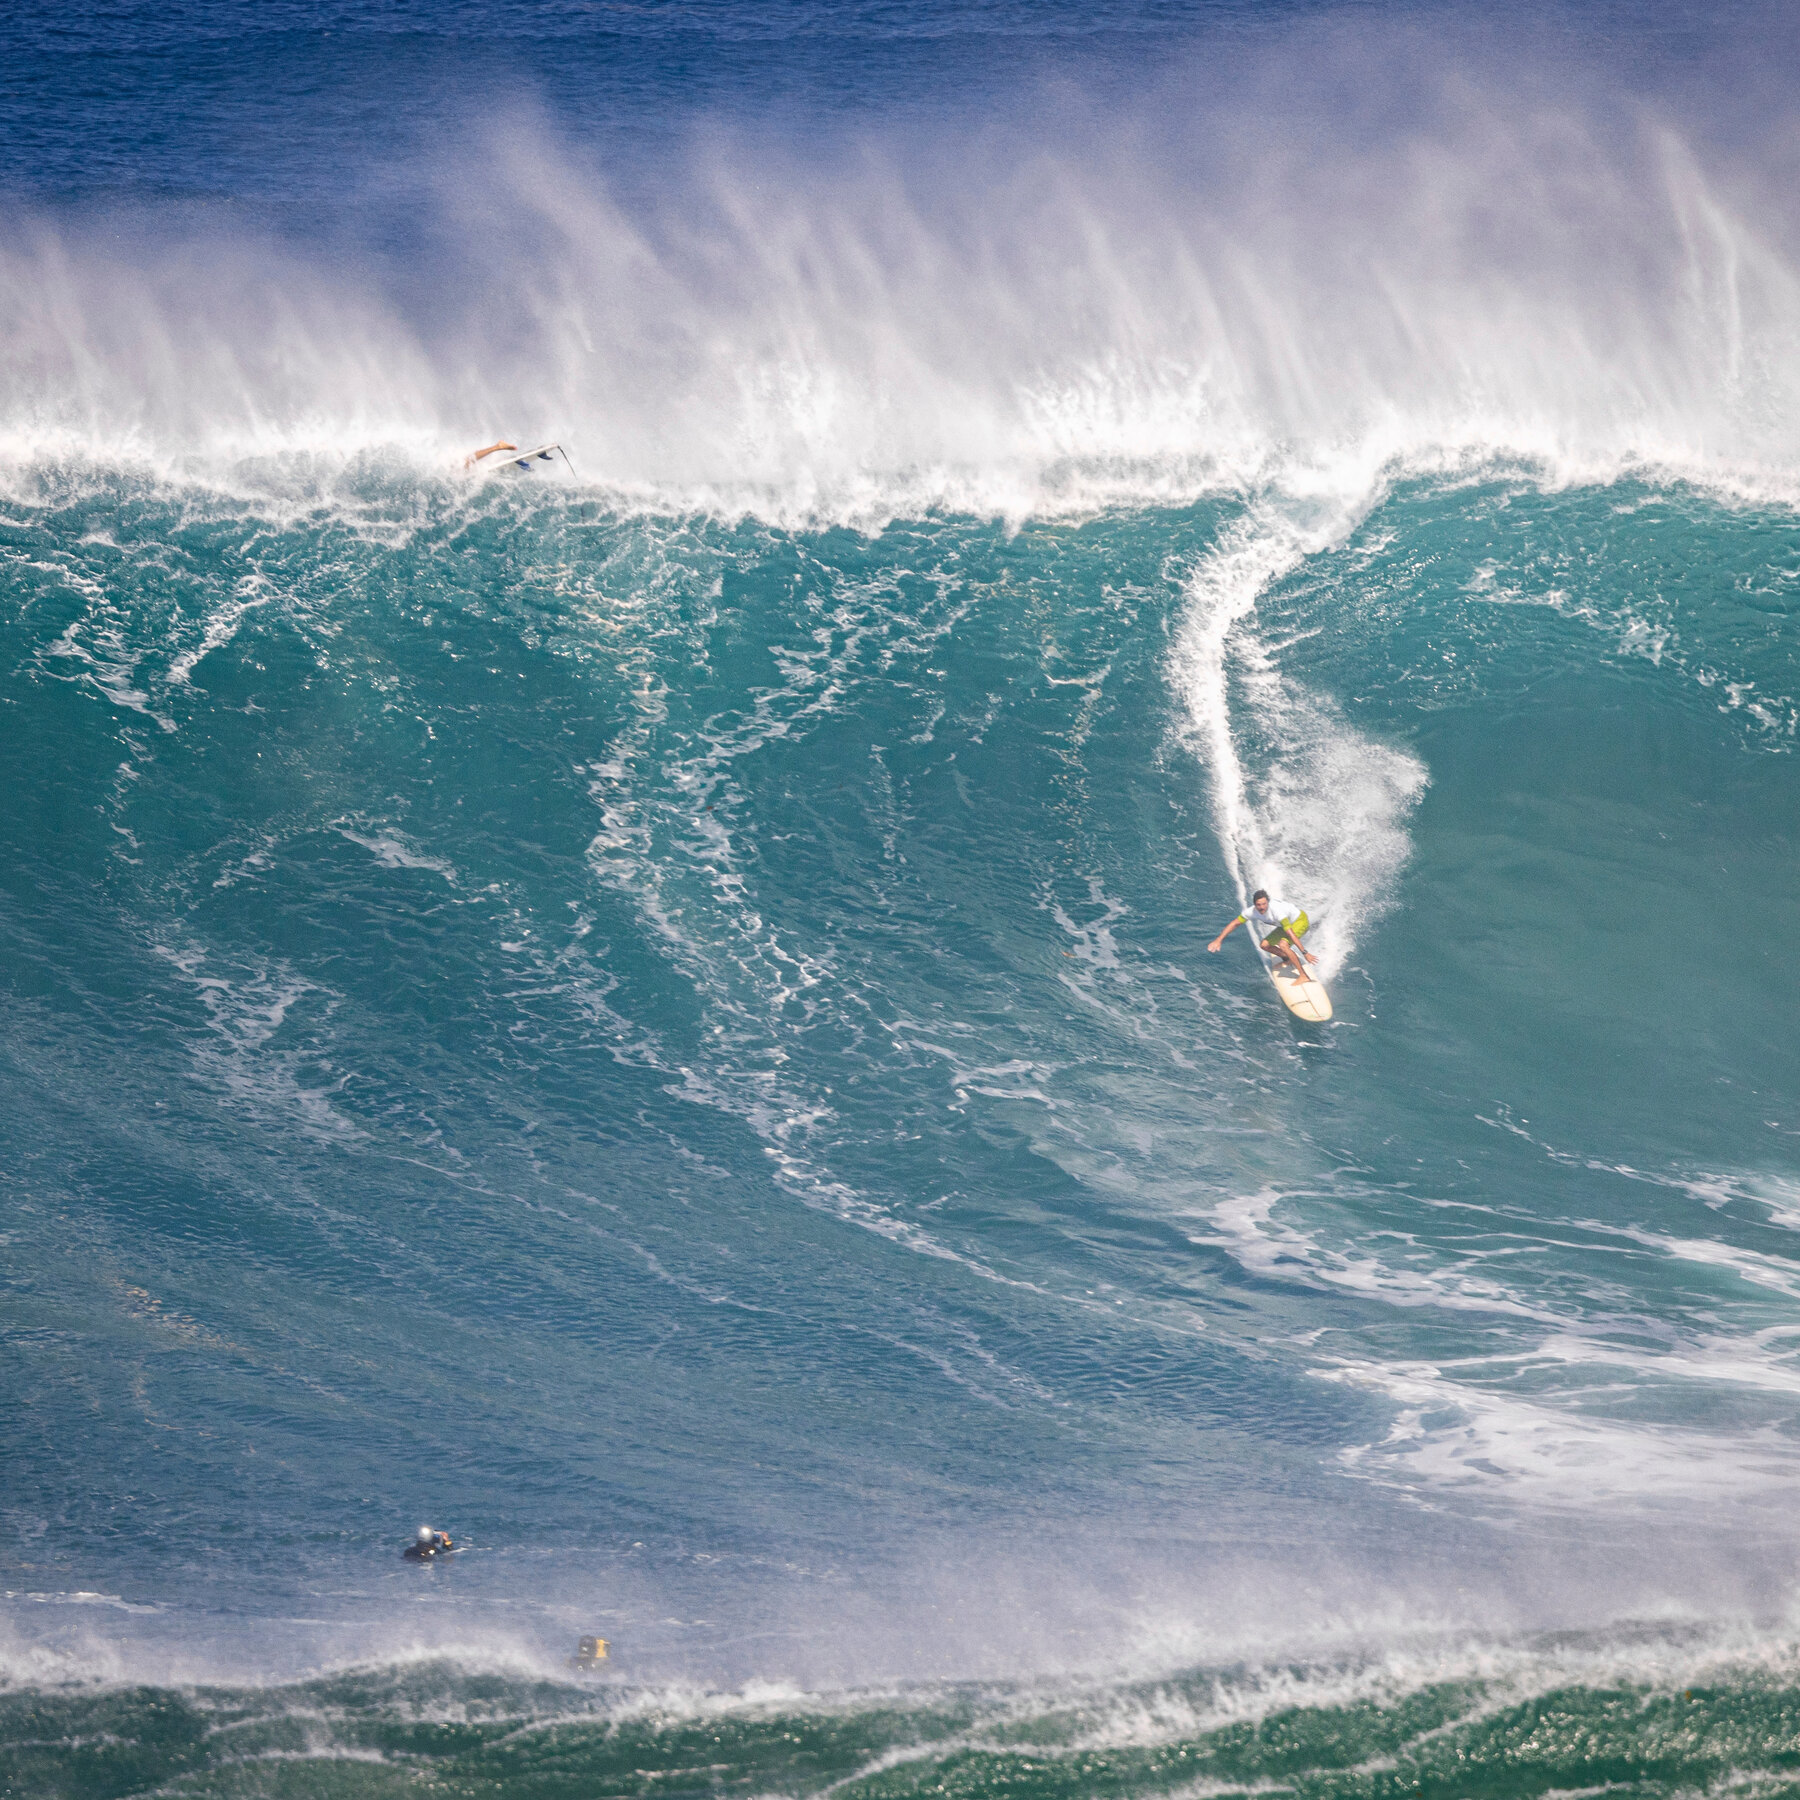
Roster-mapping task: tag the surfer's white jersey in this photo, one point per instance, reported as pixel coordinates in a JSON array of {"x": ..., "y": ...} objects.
[{"x": 1263, "y": 923}]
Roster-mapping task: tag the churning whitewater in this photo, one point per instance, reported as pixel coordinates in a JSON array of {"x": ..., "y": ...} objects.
[{"x": 652, "y": 1010}]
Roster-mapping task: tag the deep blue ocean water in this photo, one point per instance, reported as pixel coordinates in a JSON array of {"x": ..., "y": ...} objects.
[{"x": 656, "y": 1012}]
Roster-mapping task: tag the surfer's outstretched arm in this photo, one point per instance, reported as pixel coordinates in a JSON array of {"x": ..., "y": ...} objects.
[
  {"x": 1223, "y": 935},
  {"x": 475, "y": 456}
]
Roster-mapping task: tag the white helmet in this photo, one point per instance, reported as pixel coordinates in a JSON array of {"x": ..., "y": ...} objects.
[{"x": 425, "y": 1534}]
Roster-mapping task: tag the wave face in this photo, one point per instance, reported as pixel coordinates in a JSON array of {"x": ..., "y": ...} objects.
[{"x": 656, "y": 1011}]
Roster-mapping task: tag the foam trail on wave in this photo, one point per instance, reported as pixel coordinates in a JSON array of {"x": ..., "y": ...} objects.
[
  {"x": 679, "y": 860},
  {"x": 1303, "y": 803}
]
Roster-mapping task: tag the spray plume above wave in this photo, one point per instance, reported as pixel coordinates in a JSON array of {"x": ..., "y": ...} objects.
[{"x": 991, "y": 325}]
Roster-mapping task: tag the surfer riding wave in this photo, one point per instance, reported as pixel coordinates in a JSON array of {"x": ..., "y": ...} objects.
[{"x": 1268, "y": 922}]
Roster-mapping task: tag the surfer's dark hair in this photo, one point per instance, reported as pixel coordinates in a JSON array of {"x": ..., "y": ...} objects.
[{"x": 1260, "y": 894}]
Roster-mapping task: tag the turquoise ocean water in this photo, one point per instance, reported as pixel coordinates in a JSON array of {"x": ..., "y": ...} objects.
[{"x": 656, "y": 1012}]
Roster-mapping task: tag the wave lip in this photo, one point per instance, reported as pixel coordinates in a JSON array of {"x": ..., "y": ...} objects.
[
  {"x": 1682, "y": 1705},
  {"x": 1016, "y": 332}
]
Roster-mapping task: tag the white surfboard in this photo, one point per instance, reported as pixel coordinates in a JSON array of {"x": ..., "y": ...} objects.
[
  {"x": 1304, "y": 996},
  {"x": 531, "y": 461}
]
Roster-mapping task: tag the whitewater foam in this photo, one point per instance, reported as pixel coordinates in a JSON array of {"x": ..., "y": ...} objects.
[{"x": 1529, "y": 1417}]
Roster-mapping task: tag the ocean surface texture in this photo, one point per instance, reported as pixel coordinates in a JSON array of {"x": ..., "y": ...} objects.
[{"x": 654, "y": 1011}]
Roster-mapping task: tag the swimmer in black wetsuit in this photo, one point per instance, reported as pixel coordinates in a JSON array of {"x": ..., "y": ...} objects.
[{"x": 428, "y": 1544}]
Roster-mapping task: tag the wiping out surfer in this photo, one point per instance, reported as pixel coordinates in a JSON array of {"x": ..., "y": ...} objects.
[
  {"x": 1268, "y": 922},
  {"x": 475, "y": 456},
  {"x": 512, "y": 457}
]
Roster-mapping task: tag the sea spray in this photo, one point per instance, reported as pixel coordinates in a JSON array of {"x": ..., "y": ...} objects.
[{"x": 999, "y": 326}]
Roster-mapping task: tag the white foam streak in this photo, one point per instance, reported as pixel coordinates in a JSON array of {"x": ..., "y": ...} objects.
[
  {"x": 674, "y": 853},
  {"x": 221, "y": 627}
]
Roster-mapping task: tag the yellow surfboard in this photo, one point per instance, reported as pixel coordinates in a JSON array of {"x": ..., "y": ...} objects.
[{"x": 1305, "y": 997}]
